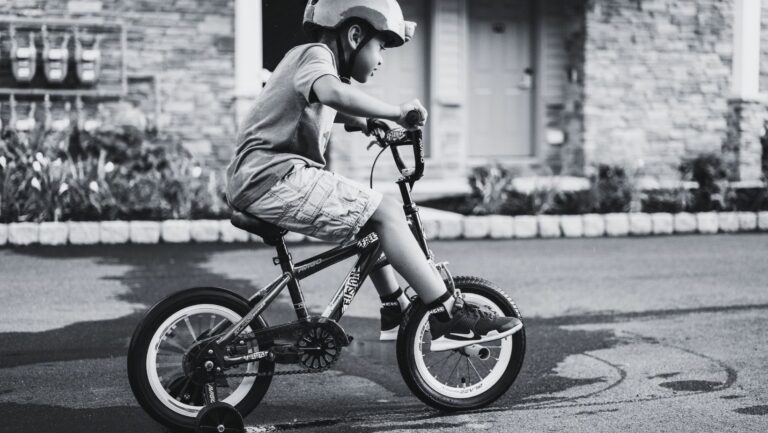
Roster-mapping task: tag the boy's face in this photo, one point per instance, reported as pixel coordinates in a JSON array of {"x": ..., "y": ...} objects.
[{"x": 368, "y": 59}]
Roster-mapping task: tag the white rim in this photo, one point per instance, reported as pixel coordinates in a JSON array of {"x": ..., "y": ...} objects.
[
  {"x": 172, "y": 353},
  {"x": 478, "y": 375}
]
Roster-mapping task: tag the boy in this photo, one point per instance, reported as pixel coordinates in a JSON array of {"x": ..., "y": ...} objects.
[{"x": 277, "y": 173}]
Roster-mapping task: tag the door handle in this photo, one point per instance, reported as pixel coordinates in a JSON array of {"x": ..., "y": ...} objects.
[{"x": 526, "y": 81}]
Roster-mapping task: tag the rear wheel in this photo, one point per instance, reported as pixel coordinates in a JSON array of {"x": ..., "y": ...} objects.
[
  {"x": 465, "y": 378},
  {"x": 156, "y": 357}
]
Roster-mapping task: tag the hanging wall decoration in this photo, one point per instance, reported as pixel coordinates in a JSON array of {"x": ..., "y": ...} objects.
[
  {"x": 55, "y": 55},
  {"x": 24, "y": 124},
  {"x": 87, "y": 56},
  {"x": 23, "y": 56},
  {"x": 53, "y": 123}
]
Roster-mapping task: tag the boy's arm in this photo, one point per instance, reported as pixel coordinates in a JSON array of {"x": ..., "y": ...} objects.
[{"x": 353, "y": 102}]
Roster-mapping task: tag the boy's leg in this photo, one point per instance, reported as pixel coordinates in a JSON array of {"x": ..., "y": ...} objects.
[
  {"x": 404, "y": 253},
  {"x": 393, "y": 302},
  {"x": 386, "y": 284},
  {"x": 384, "y": 280}
]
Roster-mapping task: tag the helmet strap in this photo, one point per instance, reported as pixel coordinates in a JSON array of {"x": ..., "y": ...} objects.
[
  {"x": 343, "y": 68},
  {"x": 346, "y": 67}
]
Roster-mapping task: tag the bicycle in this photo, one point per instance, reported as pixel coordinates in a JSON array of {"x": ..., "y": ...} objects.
[{"x": 203, "y": 356}]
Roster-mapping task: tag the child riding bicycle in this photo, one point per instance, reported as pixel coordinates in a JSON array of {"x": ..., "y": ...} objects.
[{"x": 277, "y": 172}]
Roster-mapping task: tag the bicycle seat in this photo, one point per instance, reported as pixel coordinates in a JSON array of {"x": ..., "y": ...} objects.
[{"x": 269, "y": 232}]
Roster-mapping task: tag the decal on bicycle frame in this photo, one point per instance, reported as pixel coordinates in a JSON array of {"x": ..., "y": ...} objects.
[
  {"x": 350, "y": 289},
  {"x": 308, "y": 266},
  {"x": 364, "y": 242}
]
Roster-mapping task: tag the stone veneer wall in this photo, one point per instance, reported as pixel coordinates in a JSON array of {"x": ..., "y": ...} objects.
[
  {"x": 186, "y": 45},
  {"x": 657, "y": 77},
  {"x": 568, "y": 114},
  {"x": 742, "y": 152}
]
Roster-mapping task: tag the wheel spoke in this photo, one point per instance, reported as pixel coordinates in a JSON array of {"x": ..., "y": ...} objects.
[
  {"x": 440, "y": 362},
  {"x": 175, "y": 344},
  {"x": 191, "y": 330},
  {"x": 473, "y": 368},
  {"x": 454, "y": 369}
]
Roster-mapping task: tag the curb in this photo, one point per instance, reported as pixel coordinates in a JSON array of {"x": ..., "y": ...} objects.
[{"x": 442, "y": 225}]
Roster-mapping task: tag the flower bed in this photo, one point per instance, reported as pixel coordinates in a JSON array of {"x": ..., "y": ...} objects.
[{"x": 115, "y": 174}]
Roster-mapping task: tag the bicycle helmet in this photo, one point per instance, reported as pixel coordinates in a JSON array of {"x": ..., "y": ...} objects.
[{"x": 385, "y": 16}]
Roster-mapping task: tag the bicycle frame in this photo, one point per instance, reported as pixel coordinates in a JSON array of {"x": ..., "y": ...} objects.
[{"x": 368, "y": 248}]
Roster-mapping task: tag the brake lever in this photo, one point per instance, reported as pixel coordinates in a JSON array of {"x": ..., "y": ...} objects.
[{"x": 379, "y": 135}]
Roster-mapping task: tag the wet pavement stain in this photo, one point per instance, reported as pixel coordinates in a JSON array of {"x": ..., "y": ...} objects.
[
  {"x": 664, "y": 375},
  {"x": 595, "y": 412},
  {"x": 692, "y": 385},
  {"x": 753, "y": 410}
]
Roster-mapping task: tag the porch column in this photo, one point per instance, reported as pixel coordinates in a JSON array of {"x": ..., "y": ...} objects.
[
  {"x": 248, "y": 54},
  {"x": 742, "y": 150}
]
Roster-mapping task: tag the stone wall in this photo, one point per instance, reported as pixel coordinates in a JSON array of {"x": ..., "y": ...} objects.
[
  {"x": 568, "y": 158},
  {"x": 742, "y": 152},
  {"x": 656, "y": 77},
  {"x": 185, "y": 48}
]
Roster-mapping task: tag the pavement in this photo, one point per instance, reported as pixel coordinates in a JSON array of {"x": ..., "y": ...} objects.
[{"x": 624, "y": 334}]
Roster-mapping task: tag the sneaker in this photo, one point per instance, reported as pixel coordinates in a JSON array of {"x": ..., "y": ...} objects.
[
  {"x": 470, "y": 324},
  {"x": 391, "y": 316}
]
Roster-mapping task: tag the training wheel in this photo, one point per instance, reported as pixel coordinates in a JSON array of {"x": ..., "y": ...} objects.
[{"x": 219, "y": 417}]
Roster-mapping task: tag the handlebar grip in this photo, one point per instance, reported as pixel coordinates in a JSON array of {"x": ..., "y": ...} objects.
[
  {"x": 349, "y": 128},
  {"x": 413, "y": 117}
]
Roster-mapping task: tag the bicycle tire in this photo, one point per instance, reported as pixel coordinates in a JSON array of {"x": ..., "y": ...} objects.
[{"x": 420, "y": 380}]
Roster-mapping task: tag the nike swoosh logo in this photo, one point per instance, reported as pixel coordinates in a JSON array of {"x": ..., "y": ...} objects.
[{"x": 471, "y": 334}]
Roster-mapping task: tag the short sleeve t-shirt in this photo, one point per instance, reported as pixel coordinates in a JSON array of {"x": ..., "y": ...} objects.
[{"x": 284, "y": 127}]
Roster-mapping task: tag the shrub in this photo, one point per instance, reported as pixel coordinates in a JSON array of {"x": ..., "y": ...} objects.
[
  {"x": 611, "y": 189},
  {"x": 490, "y": 188},
  {"x": 709, "y": 172},
  {"x": 665, "y": 200}
]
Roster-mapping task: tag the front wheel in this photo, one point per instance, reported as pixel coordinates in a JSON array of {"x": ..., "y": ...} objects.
[
  {"x": 466, "y": 378},
  {"x": 157, "y": 353}
]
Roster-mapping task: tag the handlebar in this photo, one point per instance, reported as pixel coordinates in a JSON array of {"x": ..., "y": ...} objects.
[{"x": 393, "y": 138}]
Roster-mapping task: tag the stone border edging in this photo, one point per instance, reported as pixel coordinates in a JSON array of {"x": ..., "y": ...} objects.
[{"x": 443, "y": 226}]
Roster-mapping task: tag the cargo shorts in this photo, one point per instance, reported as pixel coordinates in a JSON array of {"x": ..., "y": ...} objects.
[{"x": 317, "y": 203}]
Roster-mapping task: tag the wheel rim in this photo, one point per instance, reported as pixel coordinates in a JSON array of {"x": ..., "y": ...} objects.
[
  {"x": 166, "y": 350},
  {"x": 454, "y": 374}
]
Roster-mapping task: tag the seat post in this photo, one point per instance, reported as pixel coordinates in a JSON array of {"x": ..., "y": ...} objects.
[{"x": 294, "y": 288}]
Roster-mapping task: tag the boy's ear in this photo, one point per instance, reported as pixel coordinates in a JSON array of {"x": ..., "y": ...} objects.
[{"x": 354, "y": 35}]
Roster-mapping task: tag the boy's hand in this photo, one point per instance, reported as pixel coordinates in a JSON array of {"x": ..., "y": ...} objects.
[{"x": 408, "y": 107}]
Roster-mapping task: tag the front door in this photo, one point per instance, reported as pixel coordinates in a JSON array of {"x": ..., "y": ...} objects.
[{"x": 500, "y": 78}]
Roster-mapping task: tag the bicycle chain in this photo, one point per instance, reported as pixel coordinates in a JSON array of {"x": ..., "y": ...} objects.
[{"x": 278, "y": 373}]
